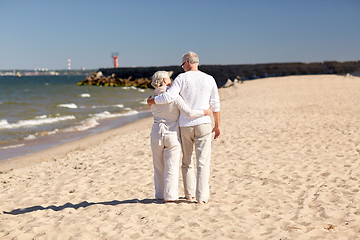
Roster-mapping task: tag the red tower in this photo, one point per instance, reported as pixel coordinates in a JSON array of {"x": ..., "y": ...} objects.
[{"x": 115, "y": 57}]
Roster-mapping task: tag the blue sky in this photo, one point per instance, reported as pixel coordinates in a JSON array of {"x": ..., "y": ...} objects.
[{"x": 44, "y": 33}]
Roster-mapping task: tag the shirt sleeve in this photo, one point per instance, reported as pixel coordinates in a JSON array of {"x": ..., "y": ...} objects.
[
  {"x": 184, "y": 108},
  {"x": 214, "y": 98},
  {"x": 171, "y": 94}
]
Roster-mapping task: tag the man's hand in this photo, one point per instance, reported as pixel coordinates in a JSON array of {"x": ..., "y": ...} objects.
[
  {"x": 216, "y": 130},
  {"x": 150, "y": 101}
]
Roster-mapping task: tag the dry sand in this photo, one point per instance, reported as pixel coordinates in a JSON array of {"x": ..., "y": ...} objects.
[{"x": 287, "y": 166}]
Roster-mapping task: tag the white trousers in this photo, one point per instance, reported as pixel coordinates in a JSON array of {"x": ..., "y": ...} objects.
[
  {"x": 200, "y": 136},
  {"x": 166, "y": 149}
]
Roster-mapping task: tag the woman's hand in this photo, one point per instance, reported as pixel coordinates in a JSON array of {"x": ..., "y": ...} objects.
[
  {"x": 208, "y": 112},
  {"x": 150, "y": 101}
]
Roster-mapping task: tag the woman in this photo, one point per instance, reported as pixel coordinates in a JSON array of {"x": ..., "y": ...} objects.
[{"x": 165, "y": 142}]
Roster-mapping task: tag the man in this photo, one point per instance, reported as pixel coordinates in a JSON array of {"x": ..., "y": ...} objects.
[{"x": 199, "y": 91}]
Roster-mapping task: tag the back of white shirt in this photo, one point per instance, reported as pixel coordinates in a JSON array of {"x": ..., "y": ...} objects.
[{"x": 198, "y": 90}]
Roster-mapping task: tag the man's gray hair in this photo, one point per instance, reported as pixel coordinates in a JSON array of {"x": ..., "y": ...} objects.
[
  {"x": 157, "y": 78},
  {"x": 191, "y": 57}
]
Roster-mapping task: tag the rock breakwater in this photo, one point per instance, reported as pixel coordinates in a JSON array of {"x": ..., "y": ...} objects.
[
  {"x": 223, "y": 74},
  {"x": 98, "y": 79}
]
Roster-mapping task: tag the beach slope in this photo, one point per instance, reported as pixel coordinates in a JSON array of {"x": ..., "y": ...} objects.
[{"x": 287, "y": 166}]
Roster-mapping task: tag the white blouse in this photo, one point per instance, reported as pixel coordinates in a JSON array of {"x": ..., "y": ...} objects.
[{"x": 168, "y": 114}]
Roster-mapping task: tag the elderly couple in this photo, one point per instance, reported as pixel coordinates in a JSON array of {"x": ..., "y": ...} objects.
[{"x": 187, "y": 103}]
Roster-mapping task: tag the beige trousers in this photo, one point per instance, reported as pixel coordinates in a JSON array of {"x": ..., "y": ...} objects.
[
  {"x": 166, "y": 151},
  {"x": 200, "y": 136}
]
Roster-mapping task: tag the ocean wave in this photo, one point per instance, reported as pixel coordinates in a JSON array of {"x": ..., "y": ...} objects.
[
  {"x": 40, "y": 120},
  {"x": 84, "y": 125},
  {"x": 106, "y": 114},
  {"x": 89, "y": 123},
  {"x": 85, "y": 95},
  {"x": 30, "y": 137},
  {"x": 41, "y": 134},
  {"x": 106, "y": 106},
  {"x": 68, "y": 105},
  {"x": 94, "y": 118},
  {"x": 12, "y": 146},
  {"x": 134, "y": 88},
  {"x": 3, "y": 122}
]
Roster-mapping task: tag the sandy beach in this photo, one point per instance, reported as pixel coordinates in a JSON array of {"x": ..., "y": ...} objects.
[{"x": 287, "y": 166}]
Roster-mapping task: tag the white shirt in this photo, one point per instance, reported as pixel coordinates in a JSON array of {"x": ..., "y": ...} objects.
[{"x": 199, "y": 91}]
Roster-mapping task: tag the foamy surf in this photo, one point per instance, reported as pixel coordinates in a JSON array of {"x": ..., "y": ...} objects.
[
  {"x": 30, "y": 137},
  {"x": 68, "y": 105},
  {"x": 85, "y": 125},
  {"x": 91, "y": 122},
  {"x": 40, "y": 120},
  {"x": 12, "y": 146},
  {"x": 41, "y": 134},
  {"x": 85, "y": 95},
  {"x": 106, "y": 106},
  {"x": 106, "y": 114}
]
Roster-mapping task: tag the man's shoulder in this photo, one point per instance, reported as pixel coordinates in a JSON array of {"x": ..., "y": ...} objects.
[
  {"x": 181, "y": 75},
  {"x": 192, "y": 73},
  {"x": 205, "y": 74}
]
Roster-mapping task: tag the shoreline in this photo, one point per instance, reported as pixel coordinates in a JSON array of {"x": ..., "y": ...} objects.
[
  {"x": 44, "y": 142},
  {"x": 60, "y": 148}
]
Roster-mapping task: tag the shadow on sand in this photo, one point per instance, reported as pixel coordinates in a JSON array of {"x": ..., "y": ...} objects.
[
  {"x": 87, "y": 204},
  {"x": 80, "y": 205}
]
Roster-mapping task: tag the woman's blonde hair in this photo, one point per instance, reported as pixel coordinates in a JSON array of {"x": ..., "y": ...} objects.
[{"x": 157, "y": 78}]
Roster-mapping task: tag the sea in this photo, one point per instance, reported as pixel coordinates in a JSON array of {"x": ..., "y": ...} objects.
[{"x": 39, "y": 112}]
